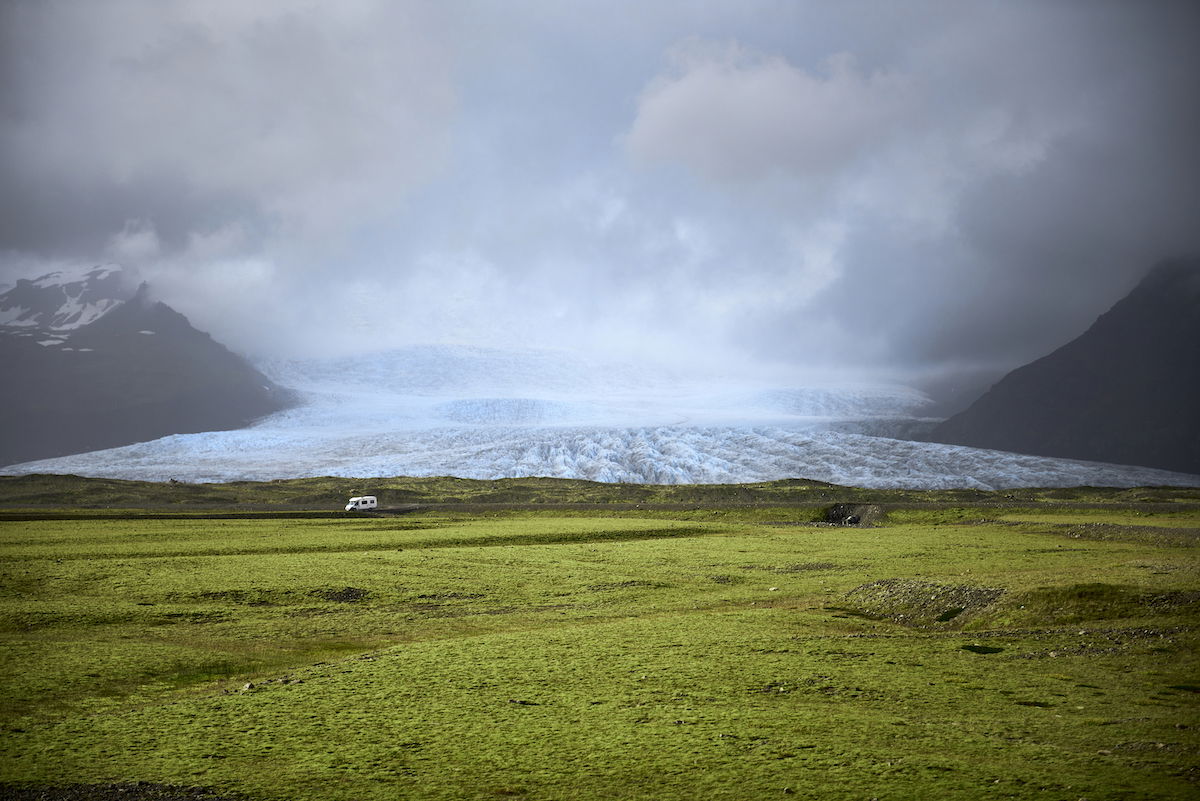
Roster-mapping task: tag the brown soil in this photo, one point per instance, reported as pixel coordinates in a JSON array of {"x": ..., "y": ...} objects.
[{"x": 138, "y": 791}]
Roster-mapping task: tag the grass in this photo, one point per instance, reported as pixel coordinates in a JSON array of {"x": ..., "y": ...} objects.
[
  {"x": 71, "y": 494},
  {"x": 965, "y": 648}
]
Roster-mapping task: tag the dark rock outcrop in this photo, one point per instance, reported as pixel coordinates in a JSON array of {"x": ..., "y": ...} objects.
[
  {"x": 1127, "y": 391},
  {"x": 854, "y": 514},
  {"x": 90, "y": 365}
]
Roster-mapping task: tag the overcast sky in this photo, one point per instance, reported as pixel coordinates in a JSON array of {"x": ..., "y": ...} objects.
[{"x": 915, "y": 184}]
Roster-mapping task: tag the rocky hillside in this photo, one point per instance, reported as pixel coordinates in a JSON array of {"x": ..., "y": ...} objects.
[
  {"x": 90, "y": 361},
  {"x": 1126, "y": 391}
]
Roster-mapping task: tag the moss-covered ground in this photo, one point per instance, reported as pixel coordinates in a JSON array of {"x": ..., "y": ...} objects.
[{"x": 1041, "y": 645}]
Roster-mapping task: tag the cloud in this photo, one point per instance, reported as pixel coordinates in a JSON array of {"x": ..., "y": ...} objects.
[
  {"x": 804, "y": 184},
  {"x": 995, "y": 183},
  {"x": 294, "y": 121},
  {"x": 736, "y": 115},
  {"x": 202, "y": 140},
  {"x": 134, "y": 245}
]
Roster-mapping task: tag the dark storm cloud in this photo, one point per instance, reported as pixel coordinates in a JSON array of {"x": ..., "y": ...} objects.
[
  {"x": 71, "y": 217},
  {"x": 931, "y": 184},
  {"x": 991, "y": 189},
  {"x": 299, "y": 117}
]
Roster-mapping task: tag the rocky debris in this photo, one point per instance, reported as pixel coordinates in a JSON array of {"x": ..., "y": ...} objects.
[
  {"x": 346, "y": 595},
  {"x": 1171, "y": 600},
  {"x": 258, "y": 684},
  {"x": 1158, "y": 535},
  {"x": 133, "y": 791},
  {"x": 922, "y": 604},
  {"x": 1108, "y": 641},
  {"x": 854, "y": 514}
]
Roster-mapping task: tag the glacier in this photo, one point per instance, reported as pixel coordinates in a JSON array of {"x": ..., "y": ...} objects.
[{"x": 489, "y": 413}]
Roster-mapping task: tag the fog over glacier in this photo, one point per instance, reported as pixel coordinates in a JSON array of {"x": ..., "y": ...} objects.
[
  {"x": 788, "y": 221},
  {"x": 933, "y": 185},
  {"x": 487, "y": 413}
]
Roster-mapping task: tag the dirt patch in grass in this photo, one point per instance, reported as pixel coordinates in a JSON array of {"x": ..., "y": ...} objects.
[
  {"x": 139, "y": 791},
  {"x": 920, "y": 603},
  {"x": 803, "y": 567},
  {"x": 346, "y": 595},
  {"x": 240, "y": 597},
  {"x": 193, "y": 617},
  {"x": 1098, "y": 642},
  {"x": 621, "y": 585}
]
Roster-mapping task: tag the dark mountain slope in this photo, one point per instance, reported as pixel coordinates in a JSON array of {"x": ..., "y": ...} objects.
[
  {"x": 134, "y": 371},
  {"x": 1126, "y": 391}
]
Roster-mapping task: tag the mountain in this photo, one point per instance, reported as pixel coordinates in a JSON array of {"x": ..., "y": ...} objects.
[
  {"x": 91, "y": 361},
  {"x": 1127, "y": 391}
]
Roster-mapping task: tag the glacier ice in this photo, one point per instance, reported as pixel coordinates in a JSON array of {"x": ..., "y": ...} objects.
[{"x": 481, "y": 413}]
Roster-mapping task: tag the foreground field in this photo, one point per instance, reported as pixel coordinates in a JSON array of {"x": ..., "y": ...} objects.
[{"x": 1017, "y": 649}]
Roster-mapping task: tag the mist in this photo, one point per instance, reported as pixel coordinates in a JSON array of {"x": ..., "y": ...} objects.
[{"x": 924, "y": 188}]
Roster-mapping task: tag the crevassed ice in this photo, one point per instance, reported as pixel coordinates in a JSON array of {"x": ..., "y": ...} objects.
[
  {"x": 486, "y": 414},
  {"x": 655, "y": 454}
]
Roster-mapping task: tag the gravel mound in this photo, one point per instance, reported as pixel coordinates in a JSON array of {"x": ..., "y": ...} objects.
[
  {"x": 922, "y": 604},
  {"x": 854, "y": 514}
]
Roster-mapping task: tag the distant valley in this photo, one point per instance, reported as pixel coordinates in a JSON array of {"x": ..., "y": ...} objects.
[{"x": 109, "y": 374}]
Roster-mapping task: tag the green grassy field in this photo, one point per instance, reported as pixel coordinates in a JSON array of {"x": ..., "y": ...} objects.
[{"x": 1032, "y": 644}]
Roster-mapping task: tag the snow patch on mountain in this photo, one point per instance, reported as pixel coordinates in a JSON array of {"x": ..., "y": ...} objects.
[
  {"x": 64, "y": 301},
  {"x": 75, "y": 313},
  {"x": 17, "y": 315}
]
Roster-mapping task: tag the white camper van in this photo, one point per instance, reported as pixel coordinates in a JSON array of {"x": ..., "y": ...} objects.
[{"x": 362, "y": 503}]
